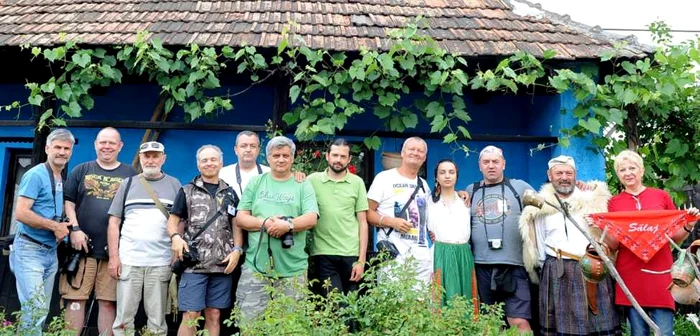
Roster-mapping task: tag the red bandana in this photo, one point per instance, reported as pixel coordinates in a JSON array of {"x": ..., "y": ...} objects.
[{"x": 643, "y": 231}]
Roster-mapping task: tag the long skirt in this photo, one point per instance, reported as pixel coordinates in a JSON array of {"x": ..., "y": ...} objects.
[
  {"x": 564, "y": 307},
  {"x": 454, "y": 269}
]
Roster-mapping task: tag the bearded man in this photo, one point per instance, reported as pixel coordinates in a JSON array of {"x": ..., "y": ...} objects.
[{"x": 569, "y": 303}]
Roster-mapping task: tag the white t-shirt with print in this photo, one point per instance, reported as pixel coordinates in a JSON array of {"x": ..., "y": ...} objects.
[
  {"x": 228, "y": 174},
  {"x": 391, "y": 191}
]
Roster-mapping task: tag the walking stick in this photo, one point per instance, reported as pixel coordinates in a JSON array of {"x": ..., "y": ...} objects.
[{"x": 531, "y": 198}]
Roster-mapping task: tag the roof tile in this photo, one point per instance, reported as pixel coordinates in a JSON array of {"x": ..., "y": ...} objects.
[{"x": 465, "y": 27}]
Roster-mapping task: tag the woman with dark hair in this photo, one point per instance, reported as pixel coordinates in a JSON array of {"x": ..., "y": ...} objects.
[{"x": 449, "y": 226}]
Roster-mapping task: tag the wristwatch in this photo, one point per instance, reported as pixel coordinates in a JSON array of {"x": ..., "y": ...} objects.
[
  {"x": 74, "y": 228},
  {"x": 291, "y": 225}
]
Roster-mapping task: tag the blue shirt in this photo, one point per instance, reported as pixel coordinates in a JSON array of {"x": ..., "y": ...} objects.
[{"x": 36, "y": 185}]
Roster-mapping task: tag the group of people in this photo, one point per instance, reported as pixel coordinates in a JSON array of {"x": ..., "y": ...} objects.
[{"x": 482, "y": 243}]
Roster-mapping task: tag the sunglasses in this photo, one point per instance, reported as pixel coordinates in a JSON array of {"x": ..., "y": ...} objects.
[{"x": 152, "y": 145}]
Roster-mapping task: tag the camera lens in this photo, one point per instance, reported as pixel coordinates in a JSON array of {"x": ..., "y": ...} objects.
[{"x": 287, "y": 240}]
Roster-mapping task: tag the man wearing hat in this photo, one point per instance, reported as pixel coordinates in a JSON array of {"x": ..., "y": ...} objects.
[
  {"x": 139, "y": 246},
  {"x": 569, "y": 303}
]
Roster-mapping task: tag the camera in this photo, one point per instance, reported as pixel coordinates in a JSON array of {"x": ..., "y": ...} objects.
[
  {"x": 189, "y": 259},
  {"x": 287, "y": 238},
  {"x": 73, "y": 259},
  {"x": 495, "y": 244}
]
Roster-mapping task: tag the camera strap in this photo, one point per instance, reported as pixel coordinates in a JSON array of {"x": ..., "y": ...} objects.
[
  {"x": 52, "y": 179},
  {"x": 239, "y": 180},
  {"x": 155, "y": 198},
  {"x": 419, "y": 185},
  {"x": 211, "y": 220}
]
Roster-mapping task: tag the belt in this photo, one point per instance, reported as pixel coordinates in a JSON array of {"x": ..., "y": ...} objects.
[
  {"x": 590, "y": 287},
  {"x": 561, "y": 253},
  {"x": 32, "y": 240}
]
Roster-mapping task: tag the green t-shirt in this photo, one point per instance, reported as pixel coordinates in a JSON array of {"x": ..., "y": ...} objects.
[
  {"x": 265, "y": 197},
  {"x": 338, "y": 231}
]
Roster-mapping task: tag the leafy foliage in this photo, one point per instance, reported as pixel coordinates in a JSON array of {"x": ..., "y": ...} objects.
[
  {"x": 398, "y": 305},
  {"x": 652, "y": 102}
]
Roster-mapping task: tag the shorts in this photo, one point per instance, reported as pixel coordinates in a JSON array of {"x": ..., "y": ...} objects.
[
  {"x": 204, "y": 290},
  {"x": 92, "y": 273},
  {"x": 517, "y": 304}
]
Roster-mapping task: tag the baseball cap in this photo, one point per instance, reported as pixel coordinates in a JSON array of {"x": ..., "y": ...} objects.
[{"x": 151, "y": 146}]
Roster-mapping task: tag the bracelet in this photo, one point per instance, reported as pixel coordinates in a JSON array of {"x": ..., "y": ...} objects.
[
  {"x": 174, "y": 234},
  {"x": 237, "y": 248},
  {"x": 381, "y": 219},
  {"x": 686, "y": 229}
]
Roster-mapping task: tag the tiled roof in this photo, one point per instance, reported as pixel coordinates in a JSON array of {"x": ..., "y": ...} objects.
[{"x": 465, "y": 27}]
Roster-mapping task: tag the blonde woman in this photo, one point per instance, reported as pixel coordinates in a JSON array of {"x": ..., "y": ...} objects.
[
  {"x": 649, "y": 289},
  {"x": 449, "y": 227}
]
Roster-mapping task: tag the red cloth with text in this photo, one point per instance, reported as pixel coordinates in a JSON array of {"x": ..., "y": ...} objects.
[
  {"x": 649, "y": 289},
  {"x": 643, "y": 232}
]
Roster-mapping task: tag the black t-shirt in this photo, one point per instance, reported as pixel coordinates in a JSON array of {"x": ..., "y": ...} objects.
[{"x": 92, "y": 189}]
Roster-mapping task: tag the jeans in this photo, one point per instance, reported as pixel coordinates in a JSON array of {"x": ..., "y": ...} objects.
[
  {"x": 663, "y": 317},
  {"x": 35, "y": 270}
]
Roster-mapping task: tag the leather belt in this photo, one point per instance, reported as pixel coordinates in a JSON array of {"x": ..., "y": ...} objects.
[
  {"x": 590, "y": 287},
  {"x": 32, "y": 240},
  {"x": 561, "y": 253}
]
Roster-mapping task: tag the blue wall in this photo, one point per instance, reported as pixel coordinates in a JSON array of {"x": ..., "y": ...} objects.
[{"x": 495, "y": 115}]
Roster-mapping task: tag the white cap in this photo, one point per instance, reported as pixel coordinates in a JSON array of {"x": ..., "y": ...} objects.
[
  {"x": 151, "y": 146},
  {"x": 562, "y": 160}
]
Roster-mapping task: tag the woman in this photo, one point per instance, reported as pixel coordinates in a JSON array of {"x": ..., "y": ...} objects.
[
  {"x": 649, "y": 289},
  {"x": 449, "y": 226}
]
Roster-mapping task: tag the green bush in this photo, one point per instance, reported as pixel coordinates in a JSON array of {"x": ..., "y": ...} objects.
[{"x": 397, "y": 305}]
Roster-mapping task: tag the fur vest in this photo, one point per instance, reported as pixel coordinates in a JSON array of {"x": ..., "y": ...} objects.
[{"x": 583, "y": 203}]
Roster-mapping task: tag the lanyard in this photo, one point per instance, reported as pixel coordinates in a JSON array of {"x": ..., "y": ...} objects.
[
  {"x": 238, "y": 175},
  {"x": 53, "y": 187},
  {"x": 503, "y": 210}
]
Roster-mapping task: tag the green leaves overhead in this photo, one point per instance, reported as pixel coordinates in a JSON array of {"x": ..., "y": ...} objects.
[{"x": 653, "y": 100}]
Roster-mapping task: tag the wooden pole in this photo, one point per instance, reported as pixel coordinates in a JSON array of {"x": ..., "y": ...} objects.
[
  {"x": 612, "y": 269},
  {"x": 157, "y": 114}
]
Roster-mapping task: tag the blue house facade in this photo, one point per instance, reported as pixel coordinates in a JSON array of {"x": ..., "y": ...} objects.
[{"x": 481, "y": 31}]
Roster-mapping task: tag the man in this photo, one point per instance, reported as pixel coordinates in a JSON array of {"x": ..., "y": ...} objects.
[
  {"x": 340, "y": 237},
  {"x": 247, "y": 149},
  {"x": 208, "y": 206},
  {"x": 139, "y": 246},
  {"x": 569, "y": 305},
  {"x": 397, "y": 201},
  {"x": 89, "y": 190},
  {"x": 277, "y": 206},
  {"x": 40, "y": 226},
  {"x": 496, "y": 241}
]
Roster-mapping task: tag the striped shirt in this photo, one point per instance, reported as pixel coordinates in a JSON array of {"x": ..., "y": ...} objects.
[{"x": 144, "y": 238}]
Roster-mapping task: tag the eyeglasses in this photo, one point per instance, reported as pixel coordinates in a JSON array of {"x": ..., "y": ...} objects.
[
  {"x": 636, "y": 200},
  {"x": 153, "y": 145}
]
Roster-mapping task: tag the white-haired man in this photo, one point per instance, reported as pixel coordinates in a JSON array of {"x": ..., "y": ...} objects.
[
  {"x": 568, "y": 304},
  {"x": 138, "y": 242},
  {"x": 397, "y": 207}
]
